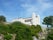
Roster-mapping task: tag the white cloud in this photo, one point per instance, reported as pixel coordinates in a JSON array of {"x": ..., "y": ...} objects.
[{"x": 40, "y": 7}]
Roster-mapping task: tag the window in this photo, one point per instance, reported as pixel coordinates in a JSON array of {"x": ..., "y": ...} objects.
[{"x": 29, "y": 20}]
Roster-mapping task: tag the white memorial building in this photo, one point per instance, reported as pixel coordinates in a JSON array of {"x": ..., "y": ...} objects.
[{"x": 33, "y": 20}]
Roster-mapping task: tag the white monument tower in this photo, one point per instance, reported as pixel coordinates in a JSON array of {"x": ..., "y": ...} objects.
[{"x": 35, "y": 19}]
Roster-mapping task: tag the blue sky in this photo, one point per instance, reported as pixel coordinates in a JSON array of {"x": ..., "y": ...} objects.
[{"x": 24, "y": 8}]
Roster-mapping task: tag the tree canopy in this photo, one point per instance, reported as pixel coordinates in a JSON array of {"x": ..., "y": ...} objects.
[
  {"x": 48, "y": 20},
  {"x": 2, "y": 19},
  {"x": 22, "y": 31}
]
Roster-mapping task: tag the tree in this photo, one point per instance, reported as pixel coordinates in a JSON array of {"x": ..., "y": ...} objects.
[
  {"x": 21, "y": 30},
  {"x": 48, "y": 20},
  {"x": 35, "y": 30},
  {"x": 3, "y": 28},
  {"x": 2, "y": 19}
]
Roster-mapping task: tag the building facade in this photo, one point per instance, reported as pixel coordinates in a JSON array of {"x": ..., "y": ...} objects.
[{"x": 34, "y": 20}]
